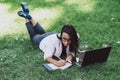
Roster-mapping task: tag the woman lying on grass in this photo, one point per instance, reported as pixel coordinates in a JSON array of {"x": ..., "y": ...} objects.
[{"x": 63, "y": 45}]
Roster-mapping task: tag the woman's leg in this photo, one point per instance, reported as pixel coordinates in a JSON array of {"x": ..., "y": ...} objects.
[
  {"x": 35, "y": 31},
  {"x": 37, "y": 27},
  {"x": 30, "y": 29},
  {"x": 35, "y": 38}
]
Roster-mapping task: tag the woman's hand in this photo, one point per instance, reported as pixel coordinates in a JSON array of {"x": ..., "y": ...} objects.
[
  {"x": 60, "y": 63},
  {"x": 69, "y": 58},
  {"x": 55, "y": 62}
]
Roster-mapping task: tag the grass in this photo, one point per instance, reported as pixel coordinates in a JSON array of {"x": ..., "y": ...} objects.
[{"x": 97, "y": 22}]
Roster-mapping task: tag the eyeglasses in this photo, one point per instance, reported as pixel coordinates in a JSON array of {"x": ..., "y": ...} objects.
[{"x": 66, "y": 40}]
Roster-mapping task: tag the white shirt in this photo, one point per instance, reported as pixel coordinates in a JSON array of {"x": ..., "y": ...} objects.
[{"x": 52, "y": 45}]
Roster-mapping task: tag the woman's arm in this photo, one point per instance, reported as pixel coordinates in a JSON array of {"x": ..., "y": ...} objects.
[{"x": 55, "y": 62}]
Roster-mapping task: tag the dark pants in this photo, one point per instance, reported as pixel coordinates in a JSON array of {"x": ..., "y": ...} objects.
[{"x": 36, "y": 33}]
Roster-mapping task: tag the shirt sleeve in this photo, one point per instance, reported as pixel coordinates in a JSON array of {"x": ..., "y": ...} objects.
[{"x": 49, "y": 51}]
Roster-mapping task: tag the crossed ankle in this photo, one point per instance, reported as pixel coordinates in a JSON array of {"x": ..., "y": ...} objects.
[{"x": 24, "y": 14}]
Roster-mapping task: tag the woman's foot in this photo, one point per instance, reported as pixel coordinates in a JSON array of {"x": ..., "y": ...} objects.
[
  {"x": 24, "y": 14},
  {"x": 24, "y": 7}
]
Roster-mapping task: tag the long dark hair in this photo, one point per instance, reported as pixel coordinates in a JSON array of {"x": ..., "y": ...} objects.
[{"x": 70, "y": 30}]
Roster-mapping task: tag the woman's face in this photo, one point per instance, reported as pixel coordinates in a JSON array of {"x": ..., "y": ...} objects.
[{"x": 65, "y": 39}]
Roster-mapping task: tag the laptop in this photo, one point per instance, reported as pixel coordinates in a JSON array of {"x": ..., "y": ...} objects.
[{"x": 93, "y": 56}]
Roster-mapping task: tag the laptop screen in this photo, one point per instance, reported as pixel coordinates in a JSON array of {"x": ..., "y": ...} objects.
[{"x": 97, "y": 55}]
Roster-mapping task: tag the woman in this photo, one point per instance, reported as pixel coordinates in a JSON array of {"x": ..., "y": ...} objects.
[{"x": 63, "y": 45}]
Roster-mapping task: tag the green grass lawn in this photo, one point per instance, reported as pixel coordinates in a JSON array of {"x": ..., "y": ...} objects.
[{"x": 97, "y": 22}]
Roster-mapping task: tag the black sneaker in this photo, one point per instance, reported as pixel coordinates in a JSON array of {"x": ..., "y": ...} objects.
[
  {"x": 24, "y": 7},
  {"x": 24, "y": 14}
]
